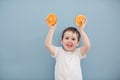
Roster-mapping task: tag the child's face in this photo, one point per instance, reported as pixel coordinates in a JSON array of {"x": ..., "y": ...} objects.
[{"x": 70, "y": 41}]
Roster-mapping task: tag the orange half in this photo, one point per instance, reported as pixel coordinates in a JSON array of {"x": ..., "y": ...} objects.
[
  {"x": 79, "y": 19},
  {"x": 51, "y": 19}
]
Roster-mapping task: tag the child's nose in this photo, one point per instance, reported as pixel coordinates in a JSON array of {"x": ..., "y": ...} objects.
[{"x": 70, "y": 40}]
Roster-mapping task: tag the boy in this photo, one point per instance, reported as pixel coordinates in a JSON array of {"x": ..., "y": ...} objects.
[{"x": 68, "y": 56}]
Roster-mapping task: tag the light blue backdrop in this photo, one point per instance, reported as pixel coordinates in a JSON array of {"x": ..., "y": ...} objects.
[{"x": 23, "y": 30}]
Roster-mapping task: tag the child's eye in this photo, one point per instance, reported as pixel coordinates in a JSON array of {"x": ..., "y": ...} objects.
[
  {"x": 73, "y": 39},
  {"x": 67, "y": 38}
]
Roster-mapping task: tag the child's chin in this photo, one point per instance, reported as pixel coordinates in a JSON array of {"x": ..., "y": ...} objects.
[{"x": 69, "y": 49}]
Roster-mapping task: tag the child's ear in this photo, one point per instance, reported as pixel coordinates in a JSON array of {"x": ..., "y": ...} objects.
[
  {"x": 77, "y": 44},
  {"x": 61, "y": 42}
]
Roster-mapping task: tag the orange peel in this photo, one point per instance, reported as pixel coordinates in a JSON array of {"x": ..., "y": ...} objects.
[
  {"x": 51, "y": 19},
  {"x": 79, "y": 19}
]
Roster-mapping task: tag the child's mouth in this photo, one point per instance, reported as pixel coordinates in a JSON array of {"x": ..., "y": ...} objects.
[{"x": 69, "y": 45}]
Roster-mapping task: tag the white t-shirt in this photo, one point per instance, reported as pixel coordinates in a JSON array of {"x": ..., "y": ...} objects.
[{"x": 67, "y": 65}]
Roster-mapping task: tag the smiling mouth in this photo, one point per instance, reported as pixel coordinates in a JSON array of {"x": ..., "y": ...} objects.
[{"x": 69, "y": 45}]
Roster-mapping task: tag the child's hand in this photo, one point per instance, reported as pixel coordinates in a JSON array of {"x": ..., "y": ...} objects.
[
  {"x": 52, "y": 26},
  {"x": 84, "y": 22}
]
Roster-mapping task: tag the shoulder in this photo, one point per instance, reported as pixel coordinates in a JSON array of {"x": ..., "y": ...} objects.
[
  {"x": 78, "y": 52},
  {"x": 58, "y": 50}
]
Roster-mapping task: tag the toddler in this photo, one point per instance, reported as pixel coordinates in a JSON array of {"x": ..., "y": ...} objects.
[{"x": 69, "y": 55}]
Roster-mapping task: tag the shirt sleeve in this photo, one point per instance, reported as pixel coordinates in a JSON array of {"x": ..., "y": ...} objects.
[
  {"x": 56, "y": 52},
  {"x": 79, "y": 54}
]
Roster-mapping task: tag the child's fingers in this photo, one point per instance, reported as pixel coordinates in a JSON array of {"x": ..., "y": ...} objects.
[{"x": 52, "y": 26}]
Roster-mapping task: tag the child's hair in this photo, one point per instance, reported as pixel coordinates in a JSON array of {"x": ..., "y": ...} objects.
[{"x": 74, "y": 30}]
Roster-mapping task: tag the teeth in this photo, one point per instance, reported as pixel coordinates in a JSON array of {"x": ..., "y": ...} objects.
[{"x": 69, "y": 45}]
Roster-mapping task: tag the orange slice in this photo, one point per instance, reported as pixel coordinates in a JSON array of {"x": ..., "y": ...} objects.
[
  {"x": 79, "y": 19},
  {"x": 51, "y": 19}
]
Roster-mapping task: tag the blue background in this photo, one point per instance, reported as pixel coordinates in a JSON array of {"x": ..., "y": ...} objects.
[{"x": 23, "y": 30}]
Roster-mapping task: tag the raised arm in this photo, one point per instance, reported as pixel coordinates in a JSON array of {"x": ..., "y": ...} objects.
[
  {"x": 86, "y": 43},
  {"x": 49, "y": 38}
]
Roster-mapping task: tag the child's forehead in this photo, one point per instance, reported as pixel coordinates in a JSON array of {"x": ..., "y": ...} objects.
[{"x": 70, "y": 33}]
